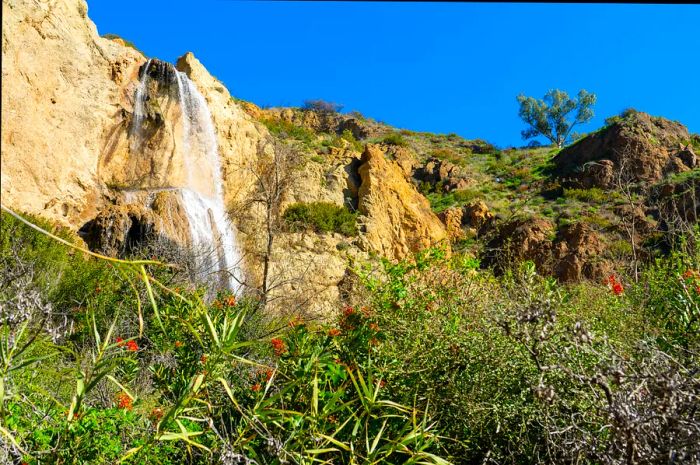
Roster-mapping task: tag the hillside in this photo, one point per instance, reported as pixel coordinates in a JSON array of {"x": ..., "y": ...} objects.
[{"x": 191, "y": 278}]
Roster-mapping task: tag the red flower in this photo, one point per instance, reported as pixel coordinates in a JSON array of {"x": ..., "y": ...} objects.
[
  {"x": 617, "y": 288},
  {"x": 120, "y": 341},
  {"x": 334, "y": 332},
  {"x": 178, "y": 344},
  {"x": 278, "y": 346},
  {"x": 132, "y": 346},
  {"x": 255, "y": 387},
  {"x": 124, "y": 401},
  {"x": 203, "y": 358},
  {"x": 347, "y": 311},
  {"x": 268, "y": 374},
  {"x": 230, "y": 301},
  {"x": 374, "y": 327},
  {"x": 611, "y": 279}
]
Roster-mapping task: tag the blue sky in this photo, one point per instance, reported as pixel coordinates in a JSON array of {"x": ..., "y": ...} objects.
[{"x": 438, "y": 67}]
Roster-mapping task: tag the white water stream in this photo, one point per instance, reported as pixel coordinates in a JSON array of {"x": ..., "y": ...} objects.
[{"x": 213, "y": 235}]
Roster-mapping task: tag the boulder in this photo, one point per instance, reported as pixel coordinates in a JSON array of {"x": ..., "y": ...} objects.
[
  {"x": 477, "y": 216},
  {"x": 396, "y": 219},
  {"x": 573, "y": 253},
  {"x": 452, "y": 219}
]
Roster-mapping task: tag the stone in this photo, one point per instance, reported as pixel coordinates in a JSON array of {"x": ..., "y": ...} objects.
[
  {"x": 398, "y": 221},
  {"x": 452, "y": 219}
]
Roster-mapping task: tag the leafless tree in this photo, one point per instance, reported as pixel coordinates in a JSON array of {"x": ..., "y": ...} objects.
[{"x": 633, "y": 194}]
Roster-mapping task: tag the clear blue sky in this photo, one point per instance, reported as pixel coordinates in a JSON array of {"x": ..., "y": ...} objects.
[{"x": 445, "y": 67}]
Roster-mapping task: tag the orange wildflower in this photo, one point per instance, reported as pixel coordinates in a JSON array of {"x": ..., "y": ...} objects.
[
  {"x": 230, "y": 301},
  {"x": 256, "y": 387},
  {"x": 132, "y": 346},
  {"x": 278, "y": 346},
  {"x": 333, "y": 332},
  {"x": 124, "y": 401},
  {"x": 178, "y": 344}
]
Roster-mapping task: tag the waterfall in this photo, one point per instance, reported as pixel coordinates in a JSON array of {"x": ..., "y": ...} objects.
[{"x": 202, "y": 194}]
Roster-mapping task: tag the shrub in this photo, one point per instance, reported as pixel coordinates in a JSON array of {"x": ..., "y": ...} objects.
[
  {"x": 287, "y": 130},
  {"x": 395, "y": 138},
  {"x": 321, "y": 106},
  {"x": 593, "y": 194},
  {"x": 450, "y": 155},
  {"x": 322, "y": 217}
]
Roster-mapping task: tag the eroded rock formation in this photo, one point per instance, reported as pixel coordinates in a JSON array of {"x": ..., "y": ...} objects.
[{"x": 398, "y": 220}]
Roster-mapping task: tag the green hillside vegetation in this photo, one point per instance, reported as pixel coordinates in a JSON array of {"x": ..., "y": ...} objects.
[{"x": 431, "y": 361}]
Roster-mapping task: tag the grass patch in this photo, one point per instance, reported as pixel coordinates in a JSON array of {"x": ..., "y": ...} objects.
[{"x": 395, "y": 138}]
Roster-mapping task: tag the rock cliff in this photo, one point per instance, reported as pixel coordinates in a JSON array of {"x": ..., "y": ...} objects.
[{"x": 77, "y": 149}]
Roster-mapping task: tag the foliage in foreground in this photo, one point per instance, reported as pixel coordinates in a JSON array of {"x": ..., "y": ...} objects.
[{"x": 432, "y": 361}]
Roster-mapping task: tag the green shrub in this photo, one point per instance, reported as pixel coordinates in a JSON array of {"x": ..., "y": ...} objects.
[
  {"x": 322, "y": 217},
  {"x": 395, "y": 138},
  {"x": 450, "y": 155},
  {"x": 287, "y": 130}
]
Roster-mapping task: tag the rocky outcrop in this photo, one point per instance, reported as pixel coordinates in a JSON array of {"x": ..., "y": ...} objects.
[
  {"x": 576, "y": 254},
  {"x": 452, "y": 219},
  {"x": 443, "y": 173},
  {"x": 519, "y": 240},
  {"x": 63, "y": 90},
  {"x": 478, "y": 216},
  {"x": 397, "y": 221},
  {"x": 330, "y": 122},
  {"x": 118, "y": 229},
  {"x": 638, "y": 146},
  {"x": 572, "y": 253}
]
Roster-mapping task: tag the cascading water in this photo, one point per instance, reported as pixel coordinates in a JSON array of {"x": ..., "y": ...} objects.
[{"x": 201, "y": 195}]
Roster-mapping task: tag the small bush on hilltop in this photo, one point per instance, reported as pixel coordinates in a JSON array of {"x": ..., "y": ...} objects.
[{"x": 322, "y": 106}]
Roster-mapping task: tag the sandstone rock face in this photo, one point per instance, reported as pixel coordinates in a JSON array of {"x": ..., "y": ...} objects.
[
  {"x": 397, "y": 220},
  {"x": 644, "y": 147},
  {"x": 452, "y": 219},
  {"x": 118, "y": 229},
  {"x": 325, "y": 121},
  {"x": 69, "y": 155},
  {"x": 63, "y": 90}
]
